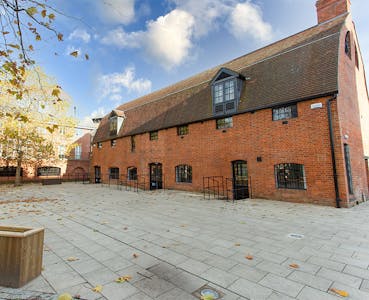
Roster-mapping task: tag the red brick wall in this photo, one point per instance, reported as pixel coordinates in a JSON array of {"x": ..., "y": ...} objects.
[
  {"x": 328, "y": 9},
  {"x": 210, "y": 152},
  {"x": 349, "y": 97}
]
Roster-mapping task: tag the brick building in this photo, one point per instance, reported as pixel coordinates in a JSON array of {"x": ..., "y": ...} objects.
[
  {"x": 288, "y": 121},
  {"x": 74, "y": 165}
]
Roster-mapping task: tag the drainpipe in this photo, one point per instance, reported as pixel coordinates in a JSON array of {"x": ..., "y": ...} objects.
[{"x": 331, "y": 138}]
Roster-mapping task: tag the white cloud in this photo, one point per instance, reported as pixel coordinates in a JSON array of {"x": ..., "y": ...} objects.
[
  {"x": 206, "y": 13},
  {"x": 80, "y": 34},
  {"x": 117, "y": 11},
  {"x": 112, "y": 86},
  {"x": 166, "y": 40},
  {"x": 169, "y": 39},
  {"x": 118, "y": 37},
  {"x": 246, "y": 20}
]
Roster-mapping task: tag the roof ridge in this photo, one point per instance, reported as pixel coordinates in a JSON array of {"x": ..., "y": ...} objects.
[{"x": 238, "y": 69}]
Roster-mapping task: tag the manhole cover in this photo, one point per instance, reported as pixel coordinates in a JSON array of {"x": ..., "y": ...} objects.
[
  {"x": 296, "y": 236},
  {"x": 207, "y": 291}
]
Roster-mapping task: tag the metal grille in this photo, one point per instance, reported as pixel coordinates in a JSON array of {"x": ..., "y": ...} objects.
[
  {"x": 184, "y": 173},
  {"x": 290, "y": 176},
  {"x": 285, "y": 112}
]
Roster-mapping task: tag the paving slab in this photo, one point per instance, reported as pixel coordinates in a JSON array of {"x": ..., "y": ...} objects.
[{"x": 170, "y": 244}]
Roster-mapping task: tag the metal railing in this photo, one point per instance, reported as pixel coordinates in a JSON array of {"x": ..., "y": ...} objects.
[{"x": 213, "y": 187}]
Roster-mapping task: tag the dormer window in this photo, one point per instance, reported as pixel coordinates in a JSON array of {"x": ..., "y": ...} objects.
[
  {"x": 116, "y": 119},
  {"x": 113, "y": 124},
  {"x": 226, "y": 90}
]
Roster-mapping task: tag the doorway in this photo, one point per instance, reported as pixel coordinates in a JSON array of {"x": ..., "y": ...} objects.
[
  {"x": 156, "y": 176},
  {"x": 97, "y": 174},
  {"x": 240, "y": 180}
]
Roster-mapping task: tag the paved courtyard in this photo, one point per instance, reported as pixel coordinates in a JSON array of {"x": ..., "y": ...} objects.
[{"x": 171, "y": 244}]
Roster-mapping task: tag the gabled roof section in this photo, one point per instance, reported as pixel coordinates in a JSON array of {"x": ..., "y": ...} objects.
[
  {"x": 298, "y": 67},
  {"x": 225, "y": 73},
  {"x": 117, "y": 113}
]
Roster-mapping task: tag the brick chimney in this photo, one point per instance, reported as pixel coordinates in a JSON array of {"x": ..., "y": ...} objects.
[{"x": 329, "y": 9}]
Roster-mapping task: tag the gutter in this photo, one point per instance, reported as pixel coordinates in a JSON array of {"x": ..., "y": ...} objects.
[{"x": 331, "y": 138}]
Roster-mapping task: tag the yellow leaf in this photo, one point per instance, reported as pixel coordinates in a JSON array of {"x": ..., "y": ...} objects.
[
  {"x": 51, "y": 16},
  {"x": 249, "y": 257},
  {"x": 123, "y": 279},
  {"x": 97, "y": 289},
  {"x": 74, "y": 53},
  {"x": 339, "y": 292},
  {"x": 43, "y": 13},
  {"x": 295, "y": 266},
  {"x": 72, "y": 258},
  {"x": 31, "y": 10},
  {"x": 30, "y": 47},
  {"x": 65, "y": 296},
  {"x": 60, "y": 37},
  {"x": 56, "y": 92},
  {"x": 38, "y": 37}
]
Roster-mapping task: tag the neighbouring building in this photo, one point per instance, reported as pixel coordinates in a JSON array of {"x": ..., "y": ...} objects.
[
  {"x": 70, "y": 162},
  {"x": 289, "y": 121}
]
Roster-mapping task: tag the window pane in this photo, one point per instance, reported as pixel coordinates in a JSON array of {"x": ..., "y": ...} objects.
[
  {"x": 218, "y": 93},
  {"x": 224, "y": 123},
  {"x": 229, "y": 90},
  {"x": 114, "y": 173},
  {"x": 184, "y": 173},
  {"x": 182, "y": 130},
  {"x": 290, "y": 176},
  {"x": 285, "y": 112}
]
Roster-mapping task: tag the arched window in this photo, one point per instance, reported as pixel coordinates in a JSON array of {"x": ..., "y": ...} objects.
[
  {"x": 184, "y": 173},
  {"x": 290, "y": 176},
  {"x": 348, "y": 44},
  {"x": 114, "y": 173},
  {"x": 132, "y": 173}
]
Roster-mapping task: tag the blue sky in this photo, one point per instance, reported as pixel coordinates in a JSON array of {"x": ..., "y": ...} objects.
[{"x": 138, "y": 46}]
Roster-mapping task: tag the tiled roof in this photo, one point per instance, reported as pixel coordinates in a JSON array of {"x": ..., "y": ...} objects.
[{"x": 298, "y": 67}]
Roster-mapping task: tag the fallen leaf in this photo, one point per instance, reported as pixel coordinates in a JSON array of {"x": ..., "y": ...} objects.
[
  {"x": 59, "y": 219},
  {"x": 72, "y": 258},
  {"x": 249, "y": 257},
  {"x": 295, "y": 266},
  {"x": 97, "y": 289},
  {"x": 123, "y": 279},
  {"x": 125, "y": 228},
  {"x": 339, "y": 292},
  {"x": 65, "y": 296},
  {"x": 237, "y": 244},
  {"x": 77, "y": 296},
  {"x": 135, "y": 255}
]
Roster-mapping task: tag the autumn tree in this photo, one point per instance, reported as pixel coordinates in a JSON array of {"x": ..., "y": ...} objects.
[{"x": 31, "y": 121}]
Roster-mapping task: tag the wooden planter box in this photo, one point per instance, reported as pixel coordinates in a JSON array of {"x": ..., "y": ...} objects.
[{"x": 21, "y": 251}]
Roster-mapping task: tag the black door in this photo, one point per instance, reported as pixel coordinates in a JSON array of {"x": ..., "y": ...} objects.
[
  {"x": 97, "y": 174},
  {"x": 240, "y": 180},
  {"x": 156, "y": 176}
]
